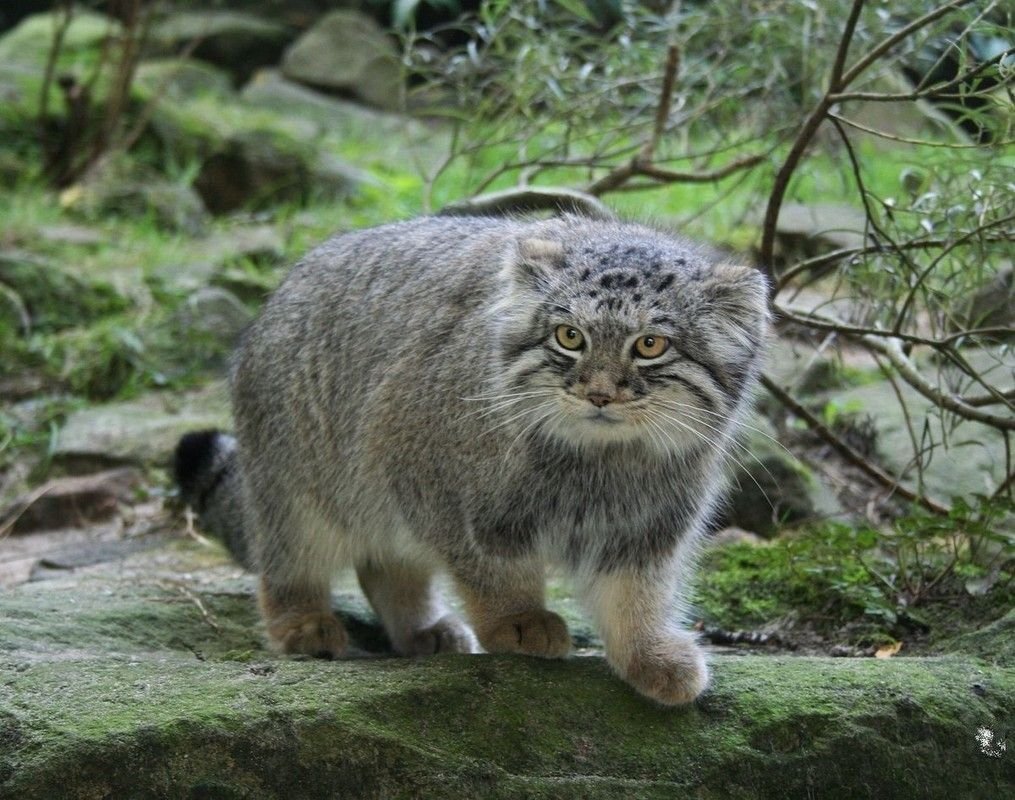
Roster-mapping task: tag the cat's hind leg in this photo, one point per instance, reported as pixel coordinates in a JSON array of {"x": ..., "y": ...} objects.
[
  {"x": 412, "y": 610},
  {"x": 297, "y": 557}
]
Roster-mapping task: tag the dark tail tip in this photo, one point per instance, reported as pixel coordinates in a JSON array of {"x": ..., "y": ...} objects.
[{"x": 194, "y": 456}]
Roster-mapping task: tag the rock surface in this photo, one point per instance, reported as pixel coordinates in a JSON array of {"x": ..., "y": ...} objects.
[
  {"x": 142, "y": 431},
  {"x": 150, "y": 680},
  {"x": 347, "y": 52}
]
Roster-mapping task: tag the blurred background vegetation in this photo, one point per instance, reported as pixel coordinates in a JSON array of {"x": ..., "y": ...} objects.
[{"x": 163, "y": 163}]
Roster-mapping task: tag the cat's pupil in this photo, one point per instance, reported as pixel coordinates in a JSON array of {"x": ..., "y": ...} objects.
[
  {"x": 650, "y": 342},
  {"x": 571, "y": 333}
]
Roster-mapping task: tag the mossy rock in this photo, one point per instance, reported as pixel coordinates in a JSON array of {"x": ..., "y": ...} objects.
[
  {"x": 51, "y": 297},
  {"x": 236, "y": 41},
  {"x": 158, "y": 687}
]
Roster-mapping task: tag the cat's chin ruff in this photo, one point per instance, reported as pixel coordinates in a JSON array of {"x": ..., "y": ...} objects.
[{"x": 585, "y": 432}]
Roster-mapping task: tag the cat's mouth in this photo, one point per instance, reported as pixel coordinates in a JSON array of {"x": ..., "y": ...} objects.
[{"x": 604, "y": 417}]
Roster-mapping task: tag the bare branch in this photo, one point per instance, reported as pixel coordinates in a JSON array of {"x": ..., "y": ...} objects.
[{"x": 842, "y": 448}]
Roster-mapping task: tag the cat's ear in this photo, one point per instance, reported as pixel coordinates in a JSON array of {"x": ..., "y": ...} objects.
[
  {"x": 736, "y": 288},
  {"x": 537, "y": 259},
  {"x": 740, "y": 296}
]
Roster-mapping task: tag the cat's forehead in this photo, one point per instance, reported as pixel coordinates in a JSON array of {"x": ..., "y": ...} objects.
[{"x": 625, "y": 282}]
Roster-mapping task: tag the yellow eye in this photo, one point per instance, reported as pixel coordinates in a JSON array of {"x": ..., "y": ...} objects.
[
  {"x": 569, "y": 338},
  {"x": 651, "y": 346}
]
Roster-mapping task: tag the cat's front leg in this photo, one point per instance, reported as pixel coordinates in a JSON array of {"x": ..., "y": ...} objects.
[
  {"x": 506, "y": 607},
  {"x": 634, "y": 610}
]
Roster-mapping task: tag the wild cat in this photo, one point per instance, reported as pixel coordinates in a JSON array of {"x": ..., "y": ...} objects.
[{"x": 486, "y": 397}]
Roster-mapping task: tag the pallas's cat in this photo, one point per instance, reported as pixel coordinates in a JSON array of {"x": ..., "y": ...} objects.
[{"x": 486, "y": 397}]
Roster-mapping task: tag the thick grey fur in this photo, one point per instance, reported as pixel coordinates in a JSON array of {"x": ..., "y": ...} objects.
[{"x": 375, "y": 424}]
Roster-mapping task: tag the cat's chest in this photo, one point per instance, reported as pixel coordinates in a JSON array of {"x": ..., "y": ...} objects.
[{"x": 566, "y": 492}]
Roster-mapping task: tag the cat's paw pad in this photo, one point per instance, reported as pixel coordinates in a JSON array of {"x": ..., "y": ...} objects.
[
  {"x": 534, "y": 633},
  {"x": 316, "y": 633},
  {"x": 447, "y": 635},
  {"x": 674, "y": 674}
]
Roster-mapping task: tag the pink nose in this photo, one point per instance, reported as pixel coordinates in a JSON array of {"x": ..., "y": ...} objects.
[{"x": 599, "y": 400}]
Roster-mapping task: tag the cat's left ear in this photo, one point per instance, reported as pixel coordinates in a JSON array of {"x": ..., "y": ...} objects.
[
  {"x": 537, "y": 259},
  {"x": 736, "y": 289}
]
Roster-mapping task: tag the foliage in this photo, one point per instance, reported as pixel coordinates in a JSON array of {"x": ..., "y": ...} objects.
[
  {"x": 865, "y": 584},
  {"x": 751, "y": 106}
]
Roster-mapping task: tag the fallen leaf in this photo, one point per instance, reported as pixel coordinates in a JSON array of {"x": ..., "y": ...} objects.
[{"x": 888, "y": 650}]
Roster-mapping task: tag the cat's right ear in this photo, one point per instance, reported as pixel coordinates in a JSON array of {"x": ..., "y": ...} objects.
[{"x": 537, "y": 259}]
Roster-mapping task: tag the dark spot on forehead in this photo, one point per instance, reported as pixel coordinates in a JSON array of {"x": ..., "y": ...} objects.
[
  {"x": 585, "y": 275},
  {"x": 664, "y": 283},
  {"x": 609, "y": 280},
  {"x": 636, "y": 297},
  {"x": 593, "y": 294}
]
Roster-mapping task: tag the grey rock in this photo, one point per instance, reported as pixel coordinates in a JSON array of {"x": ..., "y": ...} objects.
[
  {"x": 47, "y": 296},
  {"x": 769, "y": 488},
  {"x": 347, "y": 52},
  {"x": 270, "y": 90},
  {"x": 239, "y": 42},
  {"x": 119, "y": 187},
  {"x": 148, "y": 679},
  {"x": 804, "y": 231},
  {"x": 991, "y": 306},
  {"x": 175, "y": 79},
  {"x": 256, "y": 168},
  {"x": 217, "y": 313},
  {"x": 142, "y": 431},
  {"x": 70, "y": 502}
]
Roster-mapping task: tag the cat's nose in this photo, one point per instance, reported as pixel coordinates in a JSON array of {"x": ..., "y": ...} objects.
[{"x": 599, "y": 400}]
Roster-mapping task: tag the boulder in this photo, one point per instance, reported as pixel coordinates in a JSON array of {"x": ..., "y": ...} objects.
[
  {"x": 157, "y": 685},
  {"x": 256, "y": 168},
  {"x": 991, "y": 306},
  {"x": 804, "y": 231},
  {"x": 121, "y": 187},
  {"x": 271, "y": 91},
  {"x": 143, "y": 431},
  {"x": 216, "y": 315},
  {"x": 65, "y": 502},
  {"x": 48, "y": 297},
  {"x": 348, "y": 53},
  {"x": 237, "y": 41},
  {"x": 177, "y": 79}
]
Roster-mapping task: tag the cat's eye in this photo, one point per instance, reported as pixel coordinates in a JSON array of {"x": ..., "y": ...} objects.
[
  {"x": 569, "y": 338},
  {"x": 651, "y": 346}
]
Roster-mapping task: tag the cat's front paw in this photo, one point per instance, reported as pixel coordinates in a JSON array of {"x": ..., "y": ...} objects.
[
  {"x": 447, "y": 635},
  {"x": 535, "y": 633},
  {"x": 672, "y": 672},
  {"x": 314, "y": 633}
]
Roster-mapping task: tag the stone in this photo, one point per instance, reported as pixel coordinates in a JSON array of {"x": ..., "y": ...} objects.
[
  {"x": 255, "y": 168},
  {"x": 67, "y": 502},
  {"x": 51, "y": 297},
  {"x": 270, "y": 90},
  {"x": 175, "y": 79},
  {"x": 143, "y": 431},
  {"x": 237, "y": 41},
  {"x": 347, "y": 52},
  {"x": 121, "y": 188},
  {"x": 805, "y": 231},
  {"x": 158, "y": 685},
  {"x": 991, "y": 306},
  {"x": 217, "y": 313},
  {"x": 30, "y": 41}
]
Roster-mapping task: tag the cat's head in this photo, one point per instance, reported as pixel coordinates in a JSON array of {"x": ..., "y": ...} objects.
[{"x": 616, "y": 333}]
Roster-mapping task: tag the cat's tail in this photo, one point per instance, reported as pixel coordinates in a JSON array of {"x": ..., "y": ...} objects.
[{"x": 207, "y": 471}]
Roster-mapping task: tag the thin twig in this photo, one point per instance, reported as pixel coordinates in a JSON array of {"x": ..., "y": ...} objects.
[{"x": 852, "y": 456}]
